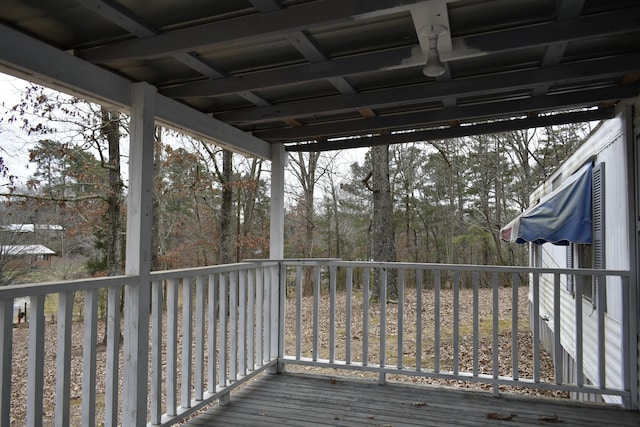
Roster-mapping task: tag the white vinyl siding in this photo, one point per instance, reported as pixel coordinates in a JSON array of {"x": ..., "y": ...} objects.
[{"x": 610, "y": 249}]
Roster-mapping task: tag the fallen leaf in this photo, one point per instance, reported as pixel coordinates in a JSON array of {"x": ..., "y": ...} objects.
[
  {"x": 500, "y": 416},
  {"x": 551, "y": 418},
  {"x": 420, "y": 404}
]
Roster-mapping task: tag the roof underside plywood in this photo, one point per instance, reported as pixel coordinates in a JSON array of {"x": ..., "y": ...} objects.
[{"x": 325, "y": 73}]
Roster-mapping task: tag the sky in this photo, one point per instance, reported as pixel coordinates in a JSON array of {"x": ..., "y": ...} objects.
[{"x": 14, "y": 142}]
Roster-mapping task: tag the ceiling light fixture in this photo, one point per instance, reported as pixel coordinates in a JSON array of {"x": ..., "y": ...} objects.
[{"x": 434, "y": 66}]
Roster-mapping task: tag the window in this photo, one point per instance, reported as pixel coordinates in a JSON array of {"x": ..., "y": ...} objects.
[
  {"x": 571, "y": 286},
  {"x": 585, "y": 260}
]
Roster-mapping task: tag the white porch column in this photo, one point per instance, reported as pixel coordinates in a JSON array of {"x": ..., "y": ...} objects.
[
  {"x": 276, "y": 237},
  {"x": 138, "y": 262}
]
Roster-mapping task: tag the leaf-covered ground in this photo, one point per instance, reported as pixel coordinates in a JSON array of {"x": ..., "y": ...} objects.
[{"x": 408, "y": 341}]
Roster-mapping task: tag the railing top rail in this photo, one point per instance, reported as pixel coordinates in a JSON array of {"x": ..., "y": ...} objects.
[
  {"x": 458, "y": 267},
  {"x": 45, "y": 288},
  {"x": 308, "y": 261},
  {"x": 210, "y": 269},
  {"x": 33, "y": 289}
]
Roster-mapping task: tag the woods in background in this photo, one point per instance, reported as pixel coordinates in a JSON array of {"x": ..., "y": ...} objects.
[{"x": 437, "y": 201}]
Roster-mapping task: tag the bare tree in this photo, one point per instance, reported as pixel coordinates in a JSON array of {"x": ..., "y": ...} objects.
[{"x": 383, "y": 236}]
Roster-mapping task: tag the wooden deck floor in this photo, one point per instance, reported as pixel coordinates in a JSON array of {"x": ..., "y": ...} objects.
[{"x": 311, "y": 400}]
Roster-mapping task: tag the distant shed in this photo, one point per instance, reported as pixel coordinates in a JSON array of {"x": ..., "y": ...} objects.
[{"x": 28, "y": 255}]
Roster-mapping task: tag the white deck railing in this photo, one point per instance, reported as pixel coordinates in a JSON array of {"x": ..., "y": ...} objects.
[
  {"x": 475, "y": 323},
  {"x": 199, "y": 347},
  {"x": 213, "y": 328}
]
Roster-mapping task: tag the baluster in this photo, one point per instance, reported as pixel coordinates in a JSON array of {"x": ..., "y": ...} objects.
[
  {"x": 365, "y": 315},
  {"x": 266, "y": 351},
  {"x": 348, "y": 337},
  {"x": 242, "y": 327},
  {"x": 601, "y": 305},
  {"x": 156, "y": 351},
  {"x": 332, "y": 314},
  {"x": 515, "y": 283},
  {"x": 456, "y": 322},
  {"x": 35, "y": 376},
  {"x": 400, "y": 361},
  {"x": 298, "y": 312},
  {"x": 172, "y": 346},
  {"x": 578, "y": 325},
  {"x": 557, "y": 329},
  {"x": 200, "y": 338},
  {"x": 275, "y": 316},
  {"x": 213, "y": 334},
  {"x": 89, "y": 343},
  {"x": 476, "y": 322},
  {"x": 251, "y": 293},
  {"x": 536, "y": 327},
  {"x": 187, "y": 337},
  {"x": 6, "y": 343},
  {"x": 281, "y": 311},
  {"x": 419, "y": 319},
  {"x": 113, "y": 357},
  {"x": 436, "y": 321},
  {"x": 233, "y": 326},
  {"x": 316, "y": 310},
  {"x": 63, "y": 358},
  {"x": 383, "y": 323},
  {"x": 259, "y": 315},
  {"x": 496, "y": 331},
  {"x": 222, "y": 323}
]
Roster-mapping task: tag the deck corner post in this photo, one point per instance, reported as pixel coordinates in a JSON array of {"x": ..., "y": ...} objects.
[
  {"x": 280, "y": 366},
  {"x": 138, "y": 255}
]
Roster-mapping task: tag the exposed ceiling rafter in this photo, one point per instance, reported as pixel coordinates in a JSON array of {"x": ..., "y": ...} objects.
[
  {"x": 469, "y": 113},
  {"x": 567, "y": 74},
  {"x": 246, "y": 29},
  {"x": 457, "y": 131}
]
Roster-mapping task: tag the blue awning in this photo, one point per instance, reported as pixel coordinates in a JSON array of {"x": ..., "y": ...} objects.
[{"x": 562, "y": 217}]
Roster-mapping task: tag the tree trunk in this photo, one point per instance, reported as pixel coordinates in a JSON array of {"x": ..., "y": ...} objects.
[
  {"x": 383, "y": 249},
  {"x": 114, "y": 248},
  {"x": 251, "y": 193},
  {"x": 226, "y": 209},
  {"x": 158, "y": 243},
  {"x": 111, "y": 131}
]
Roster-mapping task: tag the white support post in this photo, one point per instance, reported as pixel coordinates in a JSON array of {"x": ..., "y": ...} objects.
[
  {"x": 276, "y": 237},
  {"x": 276, "y": 250},
  {"x": 138, "y": 256}
]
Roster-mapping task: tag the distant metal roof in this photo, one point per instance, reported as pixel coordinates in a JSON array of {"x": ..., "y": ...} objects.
[
  {"x": 30, "y": 228},
  {"x": 341, "y": 73},
  {"x": 26, "y": 250}
]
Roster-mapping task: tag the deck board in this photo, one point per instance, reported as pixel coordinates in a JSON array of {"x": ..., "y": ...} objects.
[{"x": 314, "y": 400}]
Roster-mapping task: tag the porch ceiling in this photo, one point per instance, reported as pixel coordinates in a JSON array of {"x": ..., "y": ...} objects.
[{"x": 325, "y": 73}]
